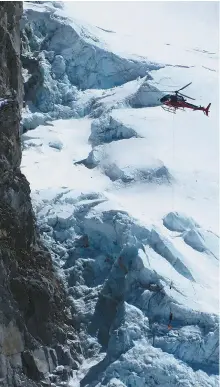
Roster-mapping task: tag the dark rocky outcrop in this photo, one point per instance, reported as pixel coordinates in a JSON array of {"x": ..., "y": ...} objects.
[{"x": 33, "y": 318}]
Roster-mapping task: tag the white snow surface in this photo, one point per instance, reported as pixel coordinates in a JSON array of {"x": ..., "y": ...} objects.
[{"x": 126, "y": 199}]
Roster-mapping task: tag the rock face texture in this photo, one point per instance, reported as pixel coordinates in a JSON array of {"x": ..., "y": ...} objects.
[{"x": 33, "y": 322}]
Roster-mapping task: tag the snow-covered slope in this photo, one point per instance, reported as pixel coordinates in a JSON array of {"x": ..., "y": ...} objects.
[{"x": 126, "y": 198}]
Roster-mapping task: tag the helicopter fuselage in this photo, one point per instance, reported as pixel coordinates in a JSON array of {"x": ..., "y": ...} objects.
[
  {"x": 174, "y": 102},
  {"x": 173, "y": 98}
]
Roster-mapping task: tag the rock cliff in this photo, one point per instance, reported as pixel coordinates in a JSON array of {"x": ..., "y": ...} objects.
[{"x": 33, "y": 320}]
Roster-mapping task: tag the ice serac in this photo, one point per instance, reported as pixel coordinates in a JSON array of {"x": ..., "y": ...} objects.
[
  {"x": 114, "y": 162},
  {"x": 61, "y": 58},
  {"x": 33, "y": 319},
  {"x": 119, "y": 275}
]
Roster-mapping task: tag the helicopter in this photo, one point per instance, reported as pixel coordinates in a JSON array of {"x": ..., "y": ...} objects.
[{"x": 173, "y": 102}]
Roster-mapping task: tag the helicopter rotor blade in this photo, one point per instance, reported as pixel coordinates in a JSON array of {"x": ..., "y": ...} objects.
[
  {"x": 159, "y": 91},
  {"x": 184, "y": 95},
  {"x": 184, "y": 86}
]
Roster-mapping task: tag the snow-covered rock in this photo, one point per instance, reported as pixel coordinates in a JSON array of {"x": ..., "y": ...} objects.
[
  {"x": 114, "y": 159},
  {"x": 144, "y": 365},
  {"x": 175, "y": 221},
  {"x": 136, "y": 94},
  {"x": 129, "y": 325},
  {"x": 33, "y": 120},
  {"x": 203, "y": 354},
  {"x": 107, "y": 129},
  {"x": 165, "y": 248},
  {"x": 56, "y": 145},
  {"x": 58, "y": 66}
]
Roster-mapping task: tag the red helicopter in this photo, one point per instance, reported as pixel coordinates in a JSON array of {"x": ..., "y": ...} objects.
[{"x": 172, "y": 102}]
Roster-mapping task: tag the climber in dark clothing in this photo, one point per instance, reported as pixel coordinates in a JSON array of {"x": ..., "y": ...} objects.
[{"x": 170, "y": 319}]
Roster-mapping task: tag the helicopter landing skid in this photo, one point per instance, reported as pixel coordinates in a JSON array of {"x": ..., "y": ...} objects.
[
  {"x": 168, "y": 109},
  {"x": 172, "y": 109}
]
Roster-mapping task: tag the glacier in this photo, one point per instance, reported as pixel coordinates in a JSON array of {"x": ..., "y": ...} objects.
[
  {"x": 56, "y": 72},
  {"x": 126, "y": 198}
]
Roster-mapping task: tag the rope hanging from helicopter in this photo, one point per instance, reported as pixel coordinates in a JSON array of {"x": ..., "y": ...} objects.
[
  {"x": 173, "y": 146},
  {"x": 171, "y": 102}
]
